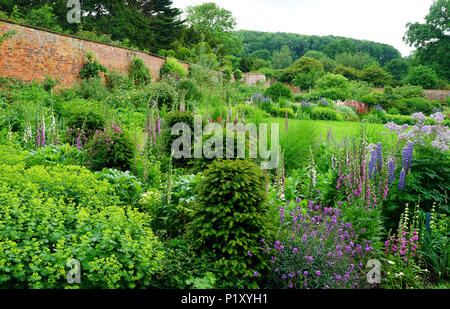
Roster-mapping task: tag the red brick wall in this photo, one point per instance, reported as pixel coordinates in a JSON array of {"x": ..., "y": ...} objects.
[{"x": 33, "y": 53}]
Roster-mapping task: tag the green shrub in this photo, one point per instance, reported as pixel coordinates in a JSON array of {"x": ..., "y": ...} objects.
[
  {"x": 139, "y": 72},
  {"x": 399, "y": 119},
  {"x": 169, "y": 216},
  {"x": 278, "y": 91},
  {"x": 170, "y": 120},
  {"x": 172, "y": 66},
  {"x": 422, "y": 76},
  {"x": 91, "y": 89},
  {"x": 282, "y": 112},
  {"x": 237, "y": 75},
  {"x": 49, "y": 83},
  {"x": 414, "y": 105},
  {"x": 393, "y": 111},
  {"x": 323, "y": 113},
  {"x": 230, "y": 219},
  {"x": 12, "y": 154},
  {"x": 408, "y": 92},
  {"x": 296, "y": 142},
  {"x": 40, "y": 235},
  {"x": 72, "y": 184},
  {"x": 91, "y": 68},
  {"x": 110, "y": 148},
  {"x": 183, "y": 54},
  {"x": 86, "y": 118},
  {"x": 192, "y": 90},
  {"x": 163, "y": 93},
  {"x": 115, "y": 80}
]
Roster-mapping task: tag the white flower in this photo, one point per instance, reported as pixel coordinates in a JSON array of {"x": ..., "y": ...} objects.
[{"x": 390, "y": 262}]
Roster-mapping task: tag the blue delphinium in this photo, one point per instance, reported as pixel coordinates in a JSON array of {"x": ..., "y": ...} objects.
[
  {"x": 407, "y": 156},
  {"x": 401, "y": 182},
  {"x": 306, "y": 103},
  {"x": 391, "y": 168},
  {"x": 324, "y": 102},
  {"x": 379, "y": 108},
  {"x": 379, "y": 151}
]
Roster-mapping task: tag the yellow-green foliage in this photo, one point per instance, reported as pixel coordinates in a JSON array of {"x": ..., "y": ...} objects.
[
  {"x": 50, "y": 215},
  {"x": 173, "y": 66}
]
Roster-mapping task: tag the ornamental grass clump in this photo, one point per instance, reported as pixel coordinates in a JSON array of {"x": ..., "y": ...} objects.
[{"x": 316, "y": 249}]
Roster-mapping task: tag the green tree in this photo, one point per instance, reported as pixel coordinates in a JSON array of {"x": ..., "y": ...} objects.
[
  {"x": 376, "y": 76},
  {"x": 432, "y": 39},
  {"x": 358, "y": 60},
  {"x": 350, "y": 73},
  {"x": 212, "y": 24},
  {"x": 304, "y": 65},
  {"x": 209, "y": 18},
  {"x": 423, "y": 76},
  {"x": 398, "y": 68},
  {"x": 339, "y": 47},
  {"x": 164, "y": 21},
  {"x": 282, "y": 59}
]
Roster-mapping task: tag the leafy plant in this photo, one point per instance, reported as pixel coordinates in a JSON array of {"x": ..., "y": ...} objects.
[
  {"x": 127, "y": 187},
  {"x": 230, "y": 219},
  {"x": 91, "y": 68},
  {"x": 139, "y": 72}
]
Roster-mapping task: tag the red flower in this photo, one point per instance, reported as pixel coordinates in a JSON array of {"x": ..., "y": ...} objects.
[{"x": 218, "y": 119}]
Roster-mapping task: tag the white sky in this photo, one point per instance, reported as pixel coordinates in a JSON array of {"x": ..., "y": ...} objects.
[{"x": 381, "y": 21}]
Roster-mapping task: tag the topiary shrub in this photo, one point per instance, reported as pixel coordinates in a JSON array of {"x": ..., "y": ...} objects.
[
  {"x": 139, "y": 72},
  {"x": 172, "y": 66},
  {"x": 278, "y": 91},
  {"x": 230, "y": 219},
  {"x": 110, "y": 148}
]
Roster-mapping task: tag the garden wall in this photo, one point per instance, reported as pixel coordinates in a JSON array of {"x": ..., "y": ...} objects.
[
  {"x": 431, "y": 95},
  {"x": 32, "y": 53}
]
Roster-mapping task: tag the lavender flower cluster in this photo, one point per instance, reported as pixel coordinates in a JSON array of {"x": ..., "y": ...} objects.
[
  {"x": 317, "y": 249},
  {"x": 259, "y": 98},
  {"x": 306, "y": 103},
  {"x": 422, "y": 134},
  {"x": 379, "y": 108},
  {"x": 324, "y": 102}
]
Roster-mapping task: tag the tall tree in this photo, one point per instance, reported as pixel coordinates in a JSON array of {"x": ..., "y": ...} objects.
[
  {"x": 213, "y": 25},
  {"x": 432, "y": 39},
  {"x": 165, "y": 21},
  {"x": 283, "y": 58}
]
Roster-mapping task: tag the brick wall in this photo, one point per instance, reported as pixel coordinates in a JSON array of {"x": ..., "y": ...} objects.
[{"x": 33, "y": 53}]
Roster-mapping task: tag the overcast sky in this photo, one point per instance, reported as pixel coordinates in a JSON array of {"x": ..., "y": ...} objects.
[{"x": 381, "y": 21}]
